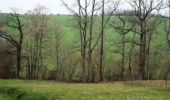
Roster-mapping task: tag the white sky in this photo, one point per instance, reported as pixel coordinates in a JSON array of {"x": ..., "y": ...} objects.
[{"x": 54, "y": 6}]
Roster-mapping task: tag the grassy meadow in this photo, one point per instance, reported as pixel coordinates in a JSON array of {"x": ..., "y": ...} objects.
[{"x": 50, "y": 90}]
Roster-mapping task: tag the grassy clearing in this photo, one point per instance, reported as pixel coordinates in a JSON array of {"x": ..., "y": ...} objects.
[{"x": 40, "y": 90}]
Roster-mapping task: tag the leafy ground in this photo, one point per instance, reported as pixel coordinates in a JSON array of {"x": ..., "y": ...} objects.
[{"x": 42, "y": 90}]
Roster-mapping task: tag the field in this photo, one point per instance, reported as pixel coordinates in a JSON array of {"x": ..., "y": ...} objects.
[{"x": 50, "y": 90}]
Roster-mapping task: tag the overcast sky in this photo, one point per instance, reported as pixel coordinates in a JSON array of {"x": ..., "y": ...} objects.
[{"x": 54, "y": 6}]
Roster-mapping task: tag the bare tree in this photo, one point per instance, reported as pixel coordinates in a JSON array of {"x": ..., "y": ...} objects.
[
  {"x": 58, "y": 52},
  {"x": 36, "y": 28},
  {"x": 90, "y": 51},
  {"x": 59, "y": 55},
  {"x": 143, "y": 12},
  {"x": 131, "y": 50},
  {"x": 167, "y": 30},
  {"x": 82, "y": 21},
  {"x": 104, "y": 21},
  {"x": 167, "y": 24},
  {"x": 123, "y": 28},
  {"x": 14, "y": 21}
]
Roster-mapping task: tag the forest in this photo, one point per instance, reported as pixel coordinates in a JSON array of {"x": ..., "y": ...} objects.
[{"x": 99, "y": 41}]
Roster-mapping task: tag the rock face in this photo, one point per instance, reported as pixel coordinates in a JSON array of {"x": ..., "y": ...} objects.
[{"x": 6, "y": 59}]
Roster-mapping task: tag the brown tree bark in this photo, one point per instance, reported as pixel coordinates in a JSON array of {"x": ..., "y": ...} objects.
[
  {"x": 143, "y": 19},
  {"x": 102, "y": 43}
]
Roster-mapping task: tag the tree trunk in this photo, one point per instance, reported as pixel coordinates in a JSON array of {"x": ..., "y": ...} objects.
[
  {"x": 142, "y": 56},
  {"x": 90, "y": 69},
  {"x": 18, "y": 62},
  {"x": 101, "y": 59},
  {"x": 84, "y": 77},
  {"x": 123, "y": 58},
  {"x": 102, "y": 43},
  {"x": 130, "y": 61},
  {"x": 148, "y": 56}
]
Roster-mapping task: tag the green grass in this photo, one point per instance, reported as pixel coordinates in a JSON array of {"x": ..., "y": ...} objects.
[
  {"x": 2, "y": 97},
  {"x": 41, "y": 90}
]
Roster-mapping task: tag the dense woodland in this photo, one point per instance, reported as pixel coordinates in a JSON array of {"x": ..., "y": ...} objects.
[{"x": 99, "y": 41}]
